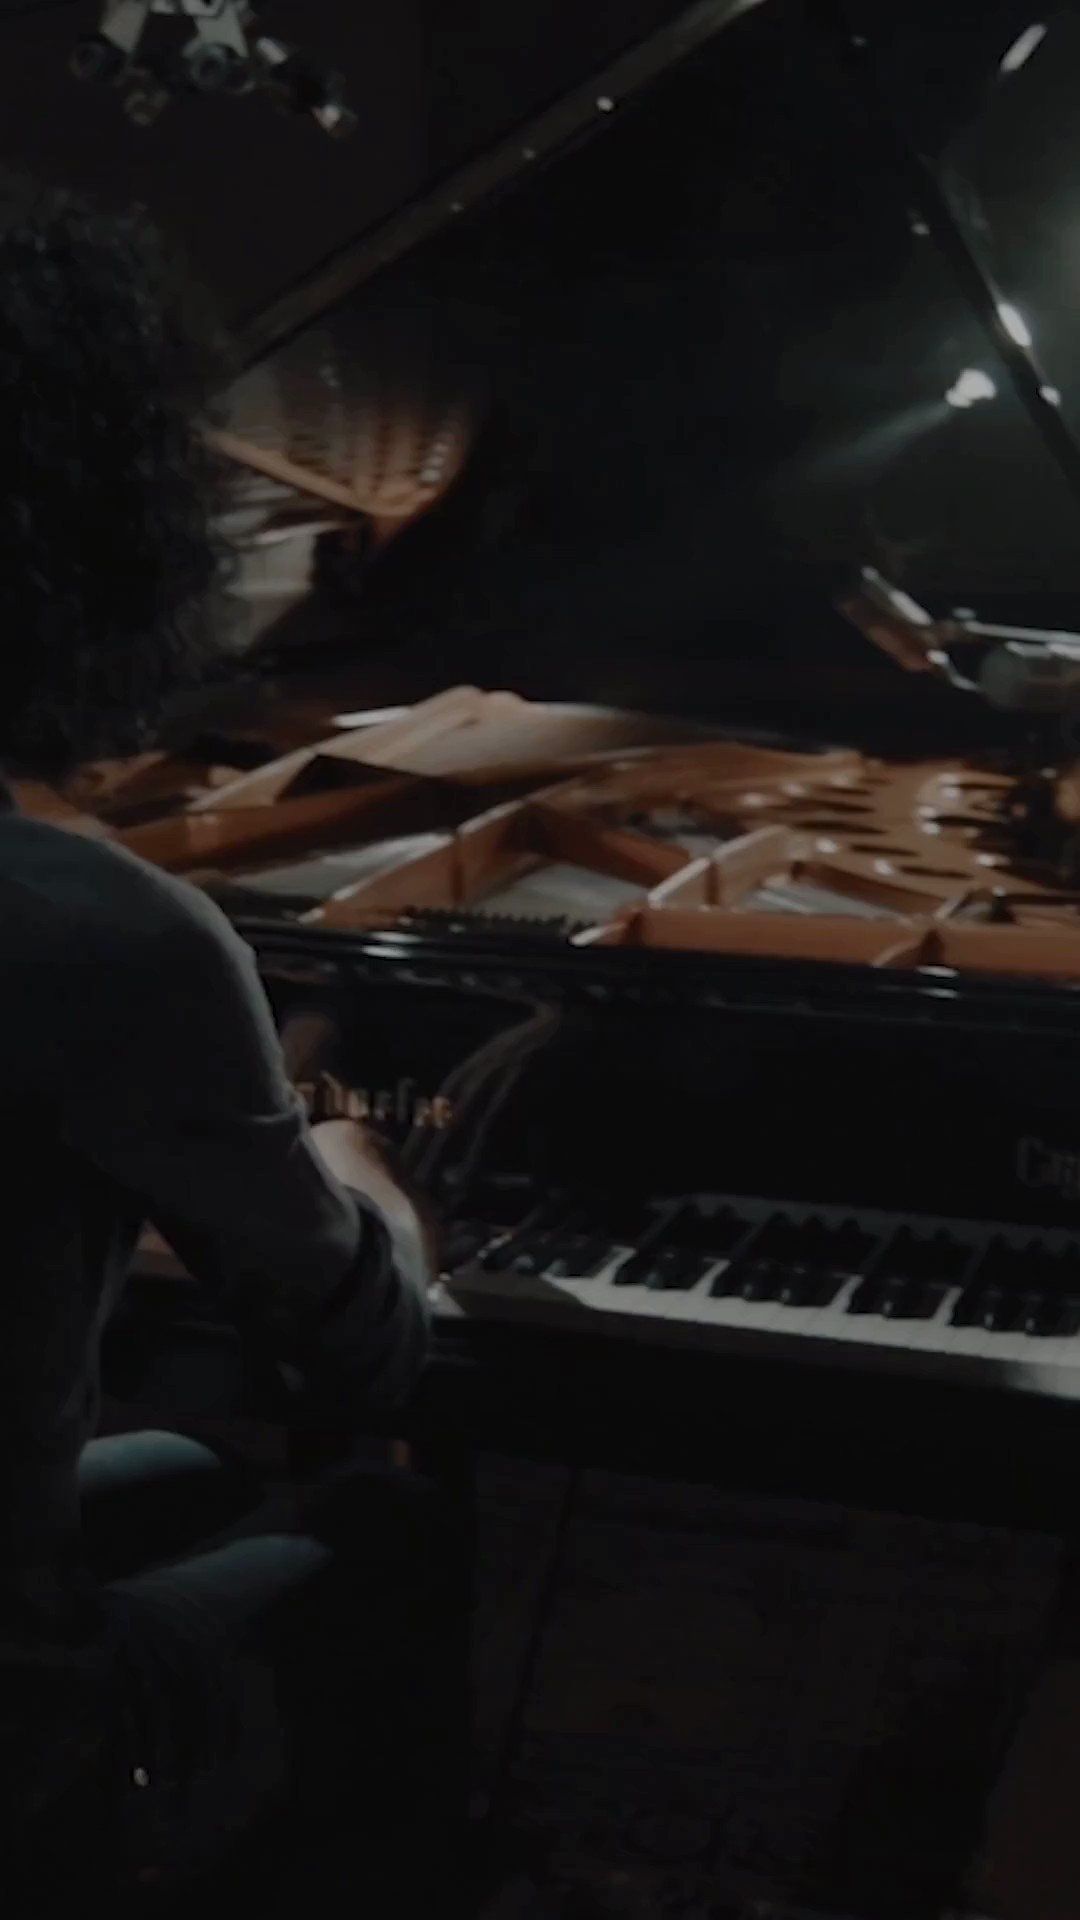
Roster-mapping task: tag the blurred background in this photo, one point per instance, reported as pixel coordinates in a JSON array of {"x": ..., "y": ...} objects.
[{"x": 705, "y": 349}]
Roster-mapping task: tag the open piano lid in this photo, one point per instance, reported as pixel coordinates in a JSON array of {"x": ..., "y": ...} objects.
[
  {"x": 723, "y": 456},
  {"x": 364, "y": 403}
]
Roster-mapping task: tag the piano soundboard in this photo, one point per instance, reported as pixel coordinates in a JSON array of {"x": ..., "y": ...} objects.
[{"x": 486, "y": 815}]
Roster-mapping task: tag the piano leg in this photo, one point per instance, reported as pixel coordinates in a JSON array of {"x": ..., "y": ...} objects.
[{"x": 1030, "y": 1864}]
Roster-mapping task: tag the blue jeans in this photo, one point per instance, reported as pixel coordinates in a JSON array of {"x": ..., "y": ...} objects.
[{"x": 292, "y": 1704}]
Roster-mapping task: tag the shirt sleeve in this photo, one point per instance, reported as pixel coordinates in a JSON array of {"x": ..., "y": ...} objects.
[{"x": 175, "y": 1087}]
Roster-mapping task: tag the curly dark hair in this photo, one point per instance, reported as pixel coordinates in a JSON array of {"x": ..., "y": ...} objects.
[{"x": 112, "y": 572}]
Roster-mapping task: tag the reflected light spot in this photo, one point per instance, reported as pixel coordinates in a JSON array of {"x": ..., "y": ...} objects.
[
  {"x": 972, "y": 385},
  {"x": 368, "y": 717},
  {"x": 1023, "y": 47},
  {"x": 1014, "y": 323}
]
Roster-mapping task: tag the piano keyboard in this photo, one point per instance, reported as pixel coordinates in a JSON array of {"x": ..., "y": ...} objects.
[{"x": 990, "y": 1303}]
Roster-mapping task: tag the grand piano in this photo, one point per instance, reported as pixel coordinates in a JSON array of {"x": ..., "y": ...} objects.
[{"x": 650, "y": 784}]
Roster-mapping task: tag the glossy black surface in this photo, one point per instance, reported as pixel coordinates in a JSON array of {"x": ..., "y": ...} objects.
[
  {"x": 679, "y": 1072},
  {"x": 630, "y": 975},
  {"x": 716, "y": 341}
]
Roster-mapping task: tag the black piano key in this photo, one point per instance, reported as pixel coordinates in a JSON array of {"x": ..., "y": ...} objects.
[
  {"x": 500, "y": 1258},
  {"x": 522, "y": 1253},
  {"x": 663, "y": 1269},
  {"x": 794, "y": 1283},
  {"x": 693, "y": 1229},
  {"x": 810, "y": 1286},
  {"x": 994, "y": 1309},
  {"x": 790, "y": 1286},
  {"x": 1046, "y": 1316},
  {"x": 798, "y": 1263},
  {"x": 556, "y": 1213},
  {"x": 1035, "y": 1269},
  {"x": 912, "y": 1299},
  {"x": 580, "y": 1255},
  {"x": 814, "y": 1243},
  {"x": 677, "y": 1269},
  {"x": 1018, "y": 1289},
  {"x": 532, "y": 1256},
  {"x": 866, "y": 1297},
  {"x": 679, "y": 1250},
  {"x": 897, "y": 1297},
  {"x": 496, "y": 1258},
  {"x": 759, "y": 1280},
  {"x": 912, "y": 1276},
  {"x": 849, "y": 1246},
  {"x": 633, "y": 1272},
  {"x": 1037, "y": 1316},
  {"x": 1001, "y": 1310},
  {"x": 721, "y": 1232}
]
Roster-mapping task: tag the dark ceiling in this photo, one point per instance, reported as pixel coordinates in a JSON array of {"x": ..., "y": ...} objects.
[
  {"x": 716, "y": 338},
  {"x": 259, "y": 199},
  {"x": 719, "y": 340}
]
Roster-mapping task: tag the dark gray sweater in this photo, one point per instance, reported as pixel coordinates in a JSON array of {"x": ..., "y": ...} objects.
[{"x": 141, "y": 1079}]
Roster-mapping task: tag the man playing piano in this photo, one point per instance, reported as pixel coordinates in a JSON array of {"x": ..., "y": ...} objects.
[{"x": 157, "y": 1694}]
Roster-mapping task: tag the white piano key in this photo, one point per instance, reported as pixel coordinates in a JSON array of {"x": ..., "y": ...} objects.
[
  {"x": 811, "y": 1323},
  {"x": 1027, "y": 1350},
  {"x": 969, "y": 1343}
]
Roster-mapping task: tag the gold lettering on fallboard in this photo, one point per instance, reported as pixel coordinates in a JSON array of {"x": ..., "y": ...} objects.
[
  {"x": 328, "y": 1098},
  {"x": 1041, "y": 1165}
]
